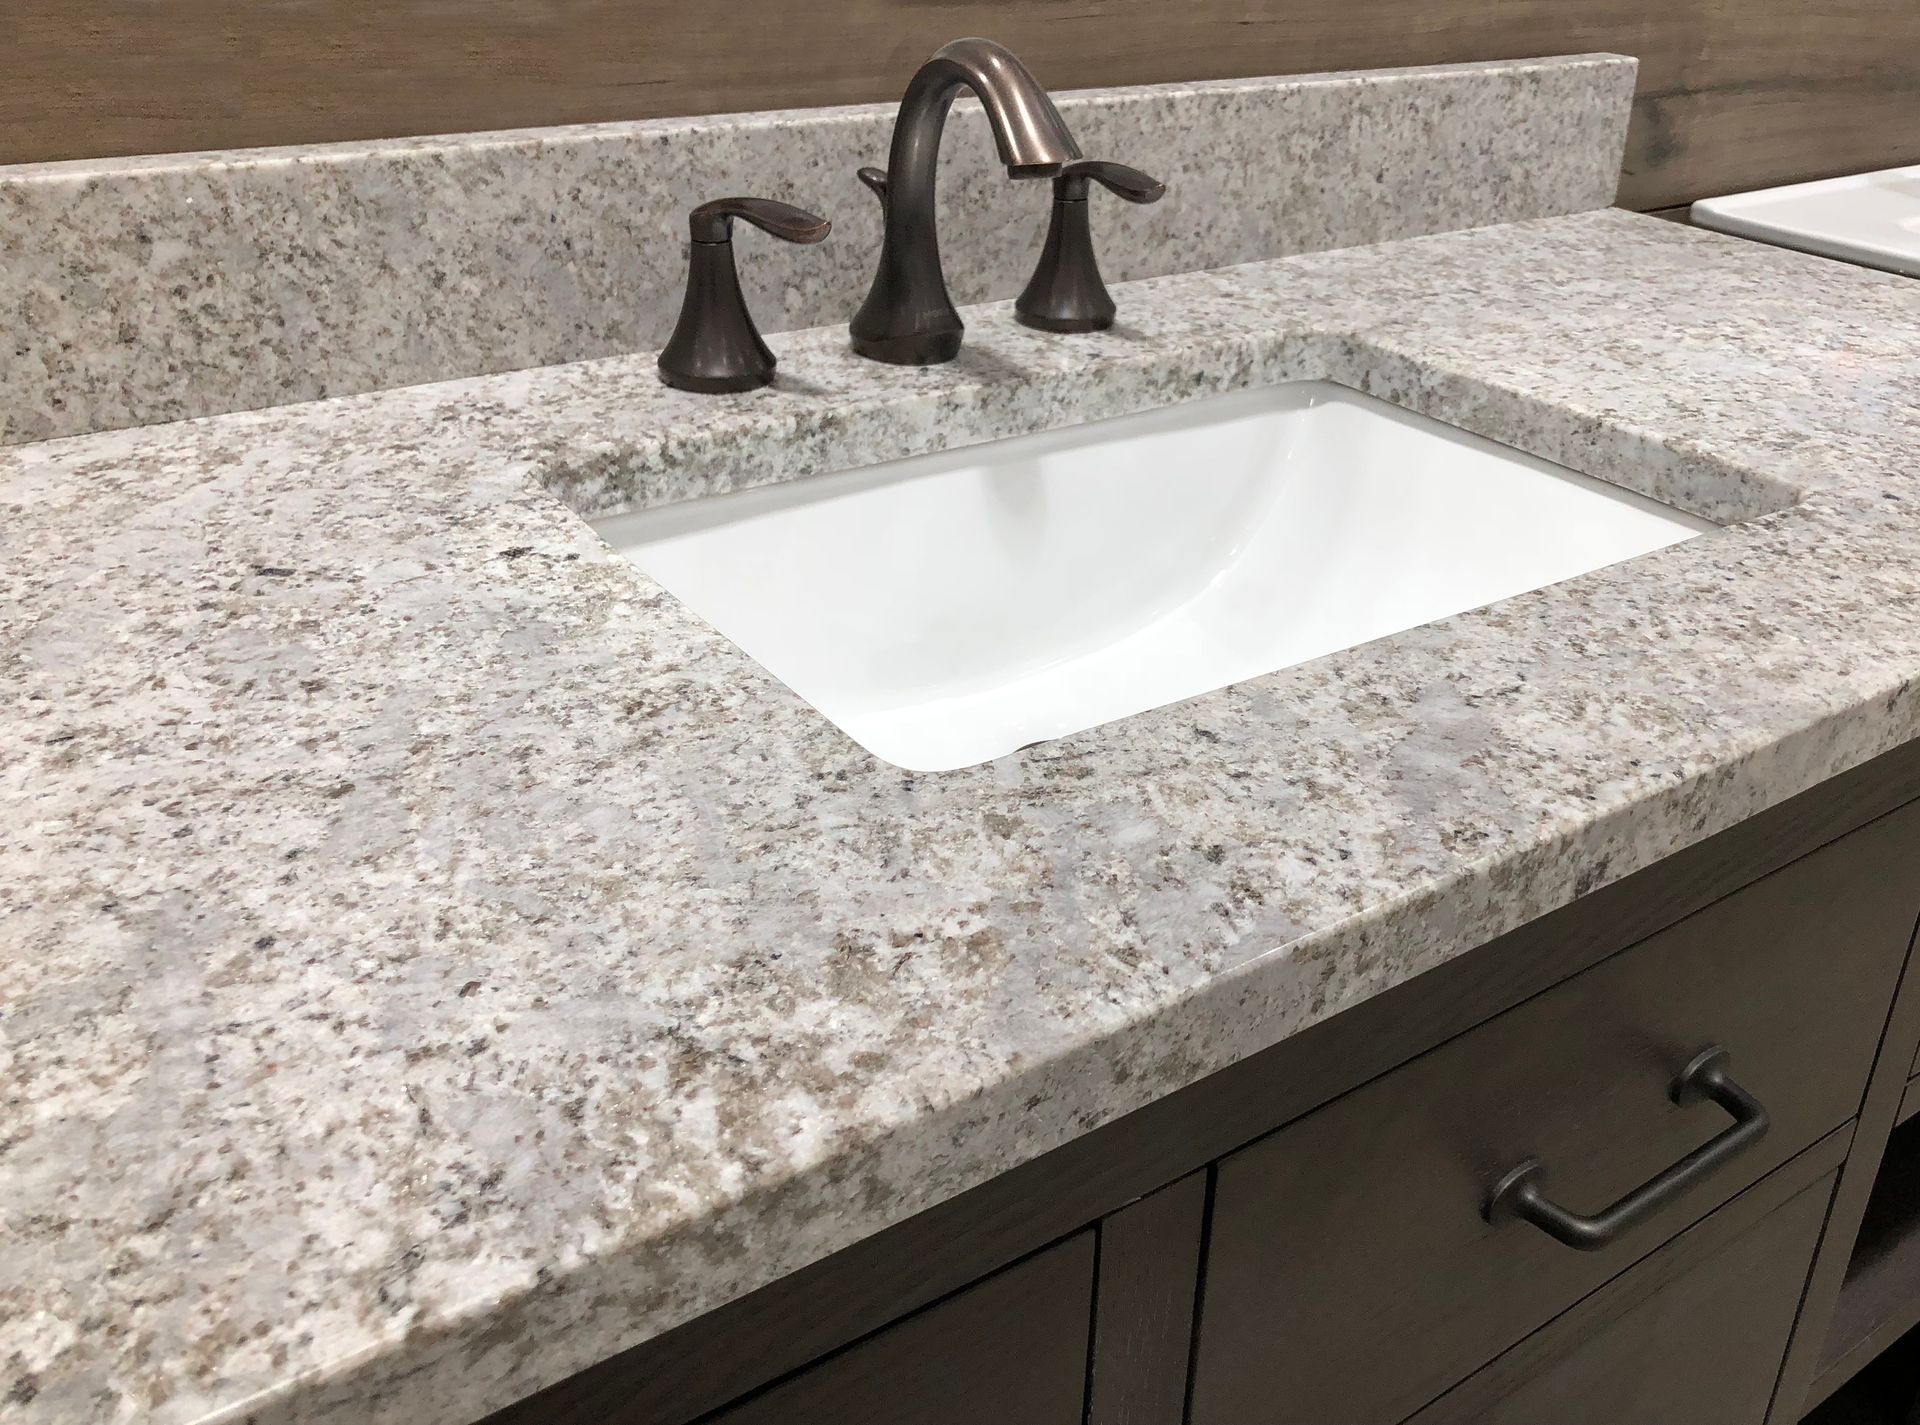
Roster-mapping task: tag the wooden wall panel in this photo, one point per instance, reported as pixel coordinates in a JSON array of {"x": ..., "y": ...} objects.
[
  {"x": 1734, "y": 93},
  {"x": 1781, "y": 90}
]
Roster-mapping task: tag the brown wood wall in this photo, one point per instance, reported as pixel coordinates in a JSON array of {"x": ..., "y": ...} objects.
[{"x": 1733, "y": 93}]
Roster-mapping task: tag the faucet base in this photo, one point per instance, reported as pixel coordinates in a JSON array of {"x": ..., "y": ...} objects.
[
  {"x": 1062, "y": 324},
  {"x": 913, "y": 349}
]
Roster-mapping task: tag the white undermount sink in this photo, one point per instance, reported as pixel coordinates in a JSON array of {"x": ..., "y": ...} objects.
[{"x": 951, "y": 608}]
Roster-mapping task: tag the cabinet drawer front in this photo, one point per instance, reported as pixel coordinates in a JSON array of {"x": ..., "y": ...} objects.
[
  {"x": 1010, "y": 1348},
  {"x": 1693, "y": 1335},
  {"x": 1350, "y": 1273}
]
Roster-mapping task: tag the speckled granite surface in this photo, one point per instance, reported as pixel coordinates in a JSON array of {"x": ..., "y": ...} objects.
[
  {"x": 434, "y": 961},
  {"x": 151, "y": 289}
]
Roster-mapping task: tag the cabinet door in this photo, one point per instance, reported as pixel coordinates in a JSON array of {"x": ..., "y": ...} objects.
[
  {"x": 1694, "y": 1334},
  {"x": 1011, "y": 1349}
]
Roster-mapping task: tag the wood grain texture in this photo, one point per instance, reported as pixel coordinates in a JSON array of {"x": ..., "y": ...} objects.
[
  {"x": 1013, "y": 1347},
  {"x": 1733, "y": 93},
  {"x": 1143, "y": 1324},
  {"x": 1880, "y": 1301},
  {"x": 1694, "y": 1333},
  {"x": 1880, "y": 1108}
]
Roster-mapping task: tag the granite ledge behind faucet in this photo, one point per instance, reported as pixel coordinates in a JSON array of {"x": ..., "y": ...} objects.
[
  {"x": 487, "y": 967},
  {"x": 153, "y": 289}
]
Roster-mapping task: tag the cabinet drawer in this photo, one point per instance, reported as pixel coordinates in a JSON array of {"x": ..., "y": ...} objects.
[
  {"x": 1696, "y": 1332},
  {"x": 1010, "y": 1348},
  {"x": 1350, "y": 1273}
]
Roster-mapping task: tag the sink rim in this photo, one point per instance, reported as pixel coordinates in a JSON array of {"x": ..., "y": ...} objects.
[{"x": 695, "y": 518}]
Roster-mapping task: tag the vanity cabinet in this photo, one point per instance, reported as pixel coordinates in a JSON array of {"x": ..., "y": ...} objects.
[
  {"x": 1302, "y": 1236},
  {"x": 1359, "y": 1224}
]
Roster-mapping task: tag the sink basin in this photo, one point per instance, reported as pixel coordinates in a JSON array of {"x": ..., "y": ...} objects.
[
  {"x": 1869, "y": 218},
  {"x": 951, "y": 608}
]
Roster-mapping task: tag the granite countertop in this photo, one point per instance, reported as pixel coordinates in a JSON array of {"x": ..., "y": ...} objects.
[{"x": 435, "y": 961}]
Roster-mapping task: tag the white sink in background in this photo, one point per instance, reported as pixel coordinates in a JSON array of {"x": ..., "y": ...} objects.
[
  {"x": 1869, "y": 218},
  {"x": 951, "y": 608}
]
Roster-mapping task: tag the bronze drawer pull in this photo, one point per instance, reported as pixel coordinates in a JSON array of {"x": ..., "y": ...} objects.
[{"x": 1518, "y": 1193}]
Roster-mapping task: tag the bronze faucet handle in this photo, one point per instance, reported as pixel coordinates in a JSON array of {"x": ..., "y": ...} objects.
[
  {"x": 715, "y": 346},
  {"x": 1066, "y": 292},
  {"x": 875, "y": 180},
  {"x": 713, "y": 222},
  {"x": 1070, "y": 184}
]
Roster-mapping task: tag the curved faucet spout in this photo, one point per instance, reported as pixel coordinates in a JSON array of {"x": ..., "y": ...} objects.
[
  {"x": 908, "y": 318},
  {"x": 1027, "y": 130}
]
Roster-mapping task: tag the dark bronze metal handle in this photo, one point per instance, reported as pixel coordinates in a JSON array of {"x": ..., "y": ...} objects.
[
  {"x": 1070, "y": 184},
  {"x": 715, "y": 346},
  {"x": 1519, "y": 1193},
  {"x": 1066, "y": 292},
  {"x": 713, "y": 222}
]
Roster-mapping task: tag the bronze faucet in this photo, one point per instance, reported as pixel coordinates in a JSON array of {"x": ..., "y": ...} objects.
[{"x": 908, "y": 319}]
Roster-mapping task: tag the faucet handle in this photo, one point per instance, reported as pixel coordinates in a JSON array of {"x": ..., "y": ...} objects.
[
  {"x": 715, "y": 346},
  {"x": 713, "y": 222},
  {"x": 1066, "y": 292},
  {"x": 875, "y": 180},
  {"x": 1070, "y": 184}
]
